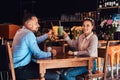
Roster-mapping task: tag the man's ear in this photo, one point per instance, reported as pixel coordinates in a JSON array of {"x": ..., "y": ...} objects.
[{"x": 29, "y": 23}]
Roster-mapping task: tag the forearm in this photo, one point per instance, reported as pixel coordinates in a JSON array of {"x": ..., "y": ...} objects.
[
  {"x": 42, "y": 38},
  {"x": 71, "y": 43},
  {"x": 38, "y": 53}
]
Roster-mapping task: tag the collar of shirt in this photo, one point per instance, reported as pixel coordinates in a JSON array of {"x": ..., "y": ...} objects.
[
  {"x": 88, "y": 35},
  {"x": 24, "y": 27}
]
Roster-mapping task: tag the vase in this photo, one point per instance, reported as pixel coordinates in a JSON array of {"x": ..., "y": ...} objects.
[{"x": 111, "y": 36}]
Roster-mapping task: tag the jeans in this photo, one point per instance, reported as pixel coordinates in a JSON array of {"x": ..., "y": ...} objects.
[
  {"x": 31, "y": 71},
  {"x": 72, "y": 73}
]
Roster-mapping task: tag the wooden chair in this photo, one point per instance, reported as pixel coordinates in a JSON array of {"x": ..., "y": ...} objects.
[
  {"x": 4, "y": 66},
  {"x": 102, "y": 55},
  {"x": 9, "y": 49},
  {"x": 113, "y": 57},
  {"x": 10, "y": 61}
]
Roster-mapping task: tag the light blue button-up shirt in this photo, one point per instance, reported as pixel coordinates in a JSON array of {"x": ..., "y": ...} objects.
[{"x": 25, "y": 45}]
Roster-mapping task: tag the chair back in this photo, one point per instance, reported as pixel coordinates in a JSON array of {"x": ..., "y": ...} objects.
[
  {"x": 9, "y": 49},
  {"x": 102, "y": 57},
  {"x": 103, "y": 53},
  {"x": 4, "y": 66},
  {"x": 3, "y": 59}
]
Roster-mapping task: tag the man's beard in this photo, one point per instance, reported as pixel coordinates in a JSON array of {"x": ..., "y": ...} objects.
[{"x": 37, "y": 33}]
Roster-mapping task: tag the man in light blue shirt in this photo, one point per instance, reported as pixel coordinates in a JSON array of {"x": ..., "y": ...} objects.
[{"x": 25, "y": 46}]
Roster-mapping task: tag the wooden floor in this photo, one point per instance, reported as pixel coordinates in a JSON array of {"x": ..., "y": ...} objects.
[
  {"x": 108, "y": 76},
  {"x": 115, "y": 76}
]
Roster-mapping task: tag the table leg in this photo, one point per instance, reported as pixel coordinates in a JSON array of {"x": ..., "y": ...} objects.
[
  {"x": 99, "y": 64},
  {"x": 42, "y": 71},
  {"x": 42, "y": 76},
  {"x": 90, "y": 67},
  {"x": 117, "y": 74},
  {"x": 111, "y": 64},
  {"x": 117, "y": 64}
]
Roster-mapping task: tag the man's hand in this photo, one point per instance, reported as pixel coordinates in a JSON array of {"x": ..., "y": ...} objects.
[
  {"x": 70, "y": 53},
  {"x": 54, "y": 52},
  {"x": 50, "y": 33},
  {"x": 65, "y": 34}
]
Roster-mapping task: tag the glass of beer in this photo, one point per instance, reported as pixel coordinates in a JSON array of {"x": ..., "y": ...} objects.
[
  {"x": 55, "y": 30},
  {"x": 60, "y": 30}
]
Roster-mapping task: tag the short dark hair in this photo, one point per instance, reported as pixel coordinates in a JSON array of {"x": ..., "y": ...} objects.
[
  {"x": 27, "y": 17},
  {"x": 89, "y": 19}
]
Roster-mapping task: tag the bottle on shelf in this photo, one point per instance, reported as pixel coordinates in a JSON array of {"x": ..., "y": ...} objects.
[
  {"x": 116, "y": 2},
  {"x": 108, "y": 3},
  {"x": 105, "y": 3},
  {"x": 100, "y": 4}
]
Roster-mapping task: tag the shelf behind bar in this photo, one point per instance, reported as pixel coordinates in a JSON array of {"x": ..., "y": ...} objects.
[{"x": 109, "y": 7}]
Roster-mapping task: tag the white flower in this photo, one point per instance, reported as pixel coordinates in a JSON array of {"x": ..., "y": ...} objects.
[
  {"x": 115, "y": 24},
  {"x": 78, "y": 28},
  {"x": 103, "y": 22},
  {"x": 73, "y": 28}
]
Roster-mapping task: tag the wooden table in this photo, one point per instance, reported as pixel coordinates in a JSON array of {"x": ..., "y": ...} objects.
[
  {"x": 112, "y": 42},
  {"x": 63, "y": 62}
]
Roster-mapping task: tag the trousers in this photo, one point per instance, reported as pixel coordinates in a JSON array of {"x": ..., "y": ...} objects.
[
  {"x": 31, "y": 71},
  {"x": 72, "y": 73}
]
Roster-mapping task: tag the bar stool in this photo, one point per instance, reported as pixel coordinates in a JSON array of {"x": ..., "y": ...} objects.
[
  {"x": 114, "y": 52},
  {"x": 117, "y": 56},
  {"x": 111, "y": 54}
]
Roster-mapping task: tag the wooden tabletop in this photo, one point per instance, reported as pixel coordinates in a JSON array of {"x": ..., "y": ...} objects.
[{"x": 64, "y": 62}]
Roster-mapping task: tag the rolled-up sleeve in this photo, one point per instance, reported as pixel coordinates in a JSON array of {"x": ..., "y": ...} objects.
[{"x": 42, "y": 38}]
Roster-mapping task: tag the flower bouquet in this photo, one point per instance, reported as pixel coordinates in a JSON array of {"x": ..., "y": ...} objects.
[
  {"x": 108, "y": 27},
  {"x": 76, "y": 31}
]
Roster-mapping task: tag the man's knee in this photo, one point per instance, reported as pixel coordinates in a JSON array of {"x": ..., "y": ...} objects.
[{"x": 52, "y": 76}]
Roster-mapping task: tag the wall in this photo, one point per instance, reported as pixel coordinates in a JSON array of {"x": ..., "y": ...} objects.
[{"x": 12, "y": 11}]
